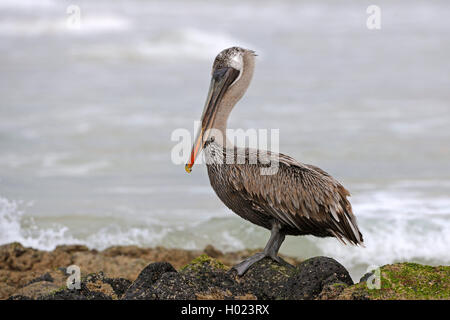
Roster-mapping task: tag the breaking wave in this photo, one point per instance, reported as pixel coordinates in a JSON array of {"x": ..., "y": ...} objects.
[
  {"x": 396, "y": 227},
  {"x": 186, "y": 43}
]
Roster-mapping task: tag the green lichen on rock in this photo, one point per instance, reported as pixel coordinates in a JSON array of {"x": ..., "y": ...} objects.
[
  {"x": 281, "y": 268},
  {"x": 58, "y": 290},
  {"x": 405, "y": 281},
  {"x": 203, "y": 261}
]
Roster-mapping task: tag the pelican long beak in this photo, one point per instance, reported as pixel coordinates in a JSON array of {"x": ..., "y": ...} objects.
[{"x": 221, "y": 80}]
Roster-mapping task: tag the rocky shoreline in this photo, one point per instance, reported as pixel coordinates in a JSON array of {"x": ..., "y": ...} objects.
[{"x": 130, "y": 272}]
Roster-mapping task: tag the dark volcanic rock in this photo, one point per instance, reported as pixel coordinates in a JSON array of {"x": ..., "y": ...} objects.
[
  {"x": 267, "y": 279},
  {"x": 172, "y": 286},
  {"x": 45, "y": 277},
  {"x": 205, "y": 278},
  {"x": 142, "y": 286},
  {"x": 27, "y": 273},
  {"x": 313, "y": 275},
  {"x": 20, "y": 265},
  {"x": 119, "y": 285}
]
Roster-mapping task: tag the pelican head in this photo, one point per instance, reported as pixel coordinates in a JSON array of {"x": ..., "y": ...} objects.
[{"x": 231, "y": 74}]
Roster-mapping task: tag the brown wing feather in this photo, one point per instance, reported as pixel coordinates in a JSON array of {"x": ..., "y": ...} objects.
[{"x": 306, "y": 199}]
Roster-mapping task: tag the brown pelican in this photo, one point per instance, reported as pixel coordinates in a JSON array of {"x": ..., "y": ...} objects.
[{"x": 297, "y": 199}]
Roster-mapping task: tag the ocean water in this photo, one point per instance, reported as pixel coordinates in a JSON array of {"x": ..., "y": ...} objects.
[{"x": 87, "y": 116}]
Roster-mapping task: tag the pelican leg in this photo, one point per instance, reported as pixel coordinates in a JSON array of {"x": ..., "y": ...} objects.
[
  {"x": 270, "y": 250},
  {"x": 274, "y": 243}
]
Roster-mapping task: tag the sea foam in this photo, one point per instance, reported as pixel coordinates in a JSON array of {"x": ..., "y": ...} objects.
[
  {"x": 395, "y": 228},
  {"x": 186, "y": 43}
]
